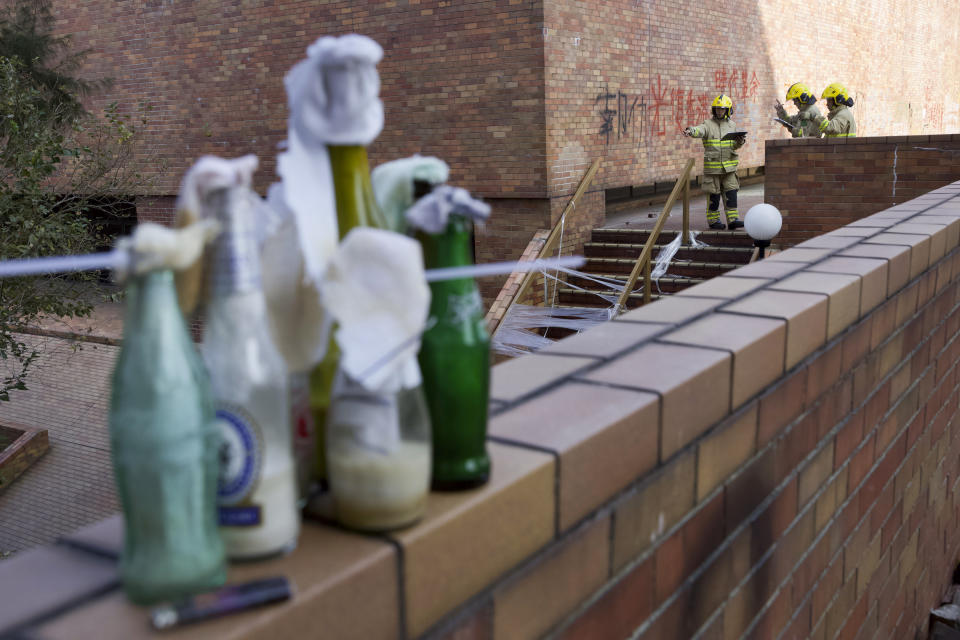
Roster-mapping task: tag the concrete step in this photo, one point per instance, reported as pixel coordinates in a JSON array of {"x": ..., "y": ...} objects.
[
  {"x": 733, "y": 255},
  {"x": 737, "y": 238},
  {"x": 612, "y": 267},
  {"x": 589, "y": 298}
]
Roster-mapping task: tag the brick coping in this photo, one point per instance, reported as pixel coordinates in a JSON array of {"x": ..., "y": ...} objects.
[{"x": 573, "y": 428}]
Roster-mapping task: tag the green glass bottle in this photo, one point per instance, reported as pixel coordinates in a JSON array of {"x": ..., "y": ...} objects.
[
  {"x": 356, "y": 207},
  {"x": 455, "y": 363},
  {"x": 164, "y": 446}
]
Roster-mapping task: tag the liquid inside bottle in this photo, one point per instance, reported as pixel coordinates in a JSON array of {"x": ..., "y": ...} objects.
[{"x": 378, "y": 446}]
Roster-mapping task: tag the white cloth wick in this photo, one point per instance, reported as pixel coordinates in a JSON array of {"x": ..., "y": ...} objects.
[{"x": 432, "y": 212}]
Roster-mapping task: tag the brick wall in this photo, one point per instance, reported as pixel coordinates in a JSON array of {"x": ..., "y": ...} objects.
[
  {"x": 821, "y": 185},
  {"x": 824, "y": 506},
  {"x": 518, "y": 96},
  {"x": 770, "y": 454}
]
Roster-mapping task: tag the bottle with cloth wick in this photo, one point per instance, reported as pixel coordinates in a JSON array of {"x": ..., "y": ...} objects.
[
  {"x": 257, "y": 486},
  {"x": 163, "y": 439},
  {"x": 335, "y": 112},
  {"x": 378, "y": 426},
  {"x": 455, "y": 355}
]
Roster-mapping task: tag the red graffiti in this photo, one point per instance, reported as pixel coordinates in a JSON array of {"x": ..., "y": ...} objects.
[
  {"x": 737, "y": 83},
  {"x": 677, "y": 98},
  {"x": 689, "y": 107},
  {"x": 753, "y": 89},
  {"x": 933, "y": 111},
  {"x": 673, "y": 108},
  {"x": 935, "y": 116},
  {"x": 660, "y": 96}
]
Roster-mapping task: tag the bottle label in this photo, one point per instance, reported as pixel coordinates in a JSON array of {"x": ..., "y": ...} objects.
[
  {"x": 464, "y": 307},
  {"x": 239, "y": 516},
  {"x": 241, "y": 458}
]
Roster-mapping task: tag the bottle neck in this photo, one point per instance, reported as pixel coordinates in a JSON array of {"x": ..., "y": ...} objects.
[
  {"x": 151, "y": 301},
  {"x": 452, "y": 248},
  {"x": 234, "y": 263},
  {"x": 356, "y": 205}
]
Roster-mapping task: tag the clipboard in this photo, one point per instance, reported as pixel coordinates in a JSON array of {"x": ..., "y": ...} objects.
[
  {"x": 734, "y": 134},
  {"x": 784, "y": 123}
]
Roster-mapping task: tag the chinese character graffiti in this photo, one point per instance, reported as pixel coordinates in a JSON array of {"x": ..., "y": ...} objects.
[
  {"x": 670, "y": 108},
  {"x": 617, "y": 114},
  {"x": 737, "y": 83}
]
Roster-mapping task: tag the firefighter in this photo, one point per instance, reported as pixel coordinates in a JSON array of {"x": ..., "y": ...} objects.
[
  {"x": 839, "y": 122},
  {"x": 806, "y": 123},
  {"x": 720, "y": 161}
]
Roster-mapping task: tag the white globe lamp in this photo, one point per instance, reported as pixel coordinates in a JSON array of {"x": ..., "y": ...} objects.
[{"x": 762, "y": 222}]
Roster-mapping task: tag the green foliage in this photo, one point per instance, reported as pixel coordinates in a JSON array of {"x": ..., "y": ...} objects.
[
  {"x": 57, "y": 164},
  {"x": 27, "y": 34}
]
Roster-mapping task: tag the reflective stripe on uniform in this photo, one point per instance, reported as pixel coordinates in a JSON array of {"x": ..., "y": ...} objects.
[
  {"x": 732, "y": 214},
  {"x": 824, "y": 124}
]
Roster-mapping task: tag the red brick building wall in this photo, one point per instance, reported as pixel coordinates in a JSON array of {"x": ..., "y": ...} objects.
[
  {"x": 519, "y": 96},
  {"x": 821, "y": 185}
]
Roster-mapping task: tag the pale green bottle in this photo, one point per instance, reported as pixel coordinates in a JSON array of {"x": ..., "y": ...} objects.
[{"x": 164, "y": 445}]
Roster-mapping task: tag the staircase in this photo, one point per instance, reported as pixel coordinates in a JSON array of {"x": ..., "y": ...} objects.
[{"x": 612, "y": 253}]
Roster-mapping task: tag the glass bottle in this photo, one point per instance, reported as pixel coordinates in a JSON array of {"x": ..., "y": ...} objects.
[
  {"x": 164, "y": 447},
  {"x": 257, "y": 489},
  {"x": 356, "y": 207},
  {"x": 455, "y": 362}
]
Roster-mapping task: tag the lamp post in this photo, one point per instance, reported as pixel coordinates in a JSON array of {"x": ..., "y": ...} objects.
[{"x": 762, "y": 222}]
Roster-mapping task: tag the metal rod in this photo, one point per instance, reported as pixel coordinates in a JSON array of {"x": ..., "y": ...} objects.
[
  {"x": 549, "y": 244},
  {"x": 500, "y": 268},
  {"x": 62, "y": 264},
  {"x": 652, "y": 240},
  {"x": 646, "y": 283}
]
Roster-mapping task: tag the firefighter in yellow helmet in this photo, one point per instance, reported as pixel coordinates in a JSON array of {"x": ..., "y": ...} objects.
[
  {"x": 839, "y": 122},
  {"x": 720, "y": 143},
  {"x": 806, "y": 123}
]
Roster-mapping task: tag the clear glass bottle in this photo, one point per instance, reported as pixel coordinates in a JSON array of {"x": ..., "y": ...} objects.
[
  {"x": 257, "y": 490},
  {"x": 378, "y": 455},
  {"x": 164, "y": 447},
  {"x": 455, "y": 362},
  {"x": 356, "y": 207}
]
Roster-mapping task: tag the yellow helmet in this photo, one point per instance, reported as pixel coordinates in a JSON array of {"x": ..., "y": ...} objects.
[
  {"x": 724, "y": 102},
  {"x": 801, "y": 91},
  {"x": 839, "y": 93}
]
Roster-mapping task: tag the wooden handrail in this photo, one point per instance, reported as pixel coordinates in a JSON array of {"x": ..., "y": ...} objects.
[
  {"x": 643, "y": 261},
  {"x": 552, "y": 240}
]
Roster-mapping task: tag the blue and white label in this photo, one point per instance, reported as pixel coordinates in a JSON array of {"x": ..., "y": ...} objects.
[
  {"x": 240, "y": 455},
  {"x": 239, "y": 516}
]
